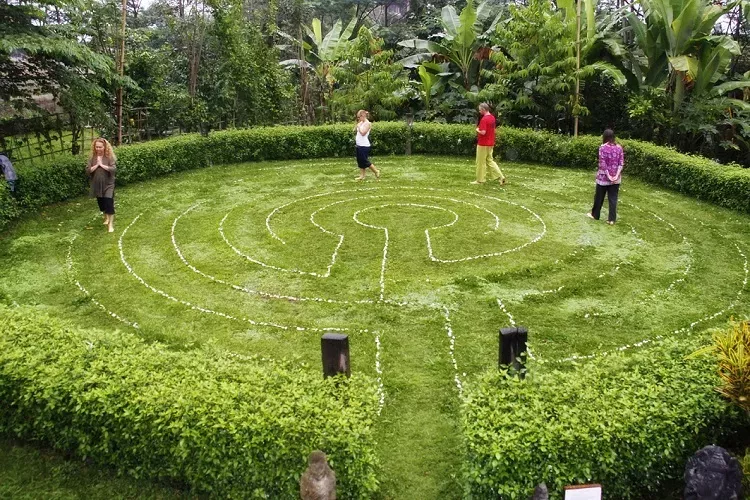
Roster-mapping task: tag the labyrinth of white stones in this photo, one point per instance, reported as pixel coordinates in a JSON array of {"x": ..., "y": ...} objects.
[{"x": 420, "y": 269}]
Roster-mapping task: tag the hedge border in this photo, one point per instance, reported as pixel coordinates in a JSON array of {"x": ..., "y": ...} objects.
[
  {"x": 727, "y": 186},
  {"x": 62, "y": 178},
  {"x": 232, "y": 426},
  {"x": 626, "y": 421}
]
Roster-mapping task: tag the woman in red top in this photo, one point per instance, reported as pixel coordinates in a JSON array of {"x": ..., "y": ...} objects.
[{"x": 485, "y": 145}]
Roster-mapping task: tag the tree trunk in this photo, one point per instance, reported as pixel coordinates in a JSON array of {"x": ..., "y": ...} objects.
[
  {"x": 121, "y": 71},
  {"x": 196, "y": 49}
]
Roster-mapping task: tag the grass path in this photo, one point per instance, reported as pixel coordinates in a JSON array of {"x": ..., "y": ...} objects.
[
  {"x": 31, "y": 473},
  {"x": 420, "y": 269}
]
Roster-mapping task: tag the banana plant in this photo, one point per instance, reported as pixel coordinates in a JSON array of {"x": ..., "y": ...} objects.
[
  {"x": 319, "y": 54},
  {"x": 599, "y": 37},
  {"x": 535, "y": 69},
  {"x": 430, "y": 76},
  {"x": 681, "y": 51},
  {"x": 462, "y": 41}
]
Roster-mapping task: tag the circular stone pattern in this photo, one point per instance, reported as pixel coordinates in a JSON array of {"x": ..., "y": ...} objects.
[{"x": 263, "y": 258}]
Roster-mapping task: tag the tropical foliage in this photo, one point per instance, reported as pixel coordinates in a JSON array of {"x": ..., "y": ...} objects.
[
  {"x": 671, "y": 71},
  {"x": 732, "y": 350}
]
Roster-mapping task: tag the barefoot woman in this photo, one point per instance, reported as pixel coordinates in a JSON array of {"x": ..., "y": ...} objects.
[{"x": 101, "y": 171}]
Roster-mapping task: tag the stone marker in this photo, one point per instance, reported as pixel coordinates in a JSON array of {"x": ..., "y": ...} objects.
[
  {"x": 318, "y": 482},
  {"x": 713, "y": 474},
  {"x": 540, "y": 492}
]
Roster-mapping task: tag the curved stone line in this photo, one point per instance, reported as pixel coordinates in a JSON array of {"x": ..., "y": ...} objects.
[
  {"x": 184, "y": 260},
  {"x": 323, "y": 229},
  {"x": 575, "y": 252},
  {"x": 493, "y": 214},
  {"x": 281, "y": 207},
  {"x": 602, "y": 275},
  {"x": 685, "y": 241},
  {"x": 382, "y": 285},
  {"x": 385, "y": 230},
  {"x": 684, "y": 329},
  {"x": 493, "y": 254},
  {"x": 203, "y": 309},
  {"x": 86, "y": 293},
  {"x": 249, "y": 290},
  {"x": 640, "y": 240},
  {"x": 319, "y": 195},
  {"x": 282, "y": 269}
]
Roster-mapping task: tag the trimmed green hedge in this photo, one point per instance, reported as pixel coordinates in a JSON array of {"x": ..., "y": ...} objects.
[
  {"x": 63, "y": 177},
  {"x": 628, "y": 422},
  {"x": 231, "y": 426},
  {"x": 724, "y": 185}
]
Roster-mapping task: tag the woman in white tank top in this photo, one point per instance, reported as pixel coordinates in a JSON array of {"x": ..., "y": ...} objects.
[{"x": 362, "y": 140}]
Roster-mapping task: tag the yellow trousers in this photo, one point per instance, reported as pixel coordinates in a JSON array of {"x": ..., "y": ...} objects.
[{"x": 484, "y": 162}]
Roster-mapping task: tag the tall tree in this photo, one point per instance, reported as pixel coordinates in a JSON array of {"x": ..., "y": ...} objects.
[
  {"x": 535, "y": 64},
  {"x": 251, "y": 86},
  {"x": 43, "y": 55}
]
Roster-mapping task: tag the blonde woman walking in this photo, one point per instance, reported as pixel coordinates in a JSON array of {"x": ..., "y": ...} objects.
[
  {"x": 101, "y": 170},
  {"x": 362, "y": 140}
]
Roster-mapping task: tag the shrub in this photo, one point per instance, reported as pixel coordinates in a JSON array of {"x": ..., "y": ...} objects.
[
  {"x": 732, "y": 351},
  {"x": 231, "y": 426},
  {"x": 8, "y": 204},
  {"x": 63, "y": 177},
  {"x": 724, "y": 185},
  {"x": 629, "y": 422}
]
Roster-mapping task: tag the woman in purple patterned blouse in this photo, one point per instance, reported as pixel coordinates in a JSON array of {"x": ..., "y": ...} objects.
[{"x": 611, "y": 161}]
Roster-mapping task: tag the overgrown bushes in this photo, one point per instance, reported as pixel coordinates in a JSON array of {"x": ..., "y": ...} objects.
[
  {"x": 64, "y": 178},
  {"x": 627, "y": 421},
  {"x": 234, "y": 427}
]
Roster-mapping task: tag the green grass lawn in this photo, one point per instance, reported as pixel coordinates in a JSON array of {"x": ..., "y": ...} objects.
[
  {"x": 30, "y": 473},
  {"x": 420, "y": 269}
]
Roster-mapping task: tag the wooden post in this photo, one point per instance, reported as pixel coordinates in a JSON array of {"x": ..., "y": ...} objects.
[
  {"x": 513, "y": 348},
  {"x": 335, "y": 350},
  {"x": 507, "y": 335}
]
